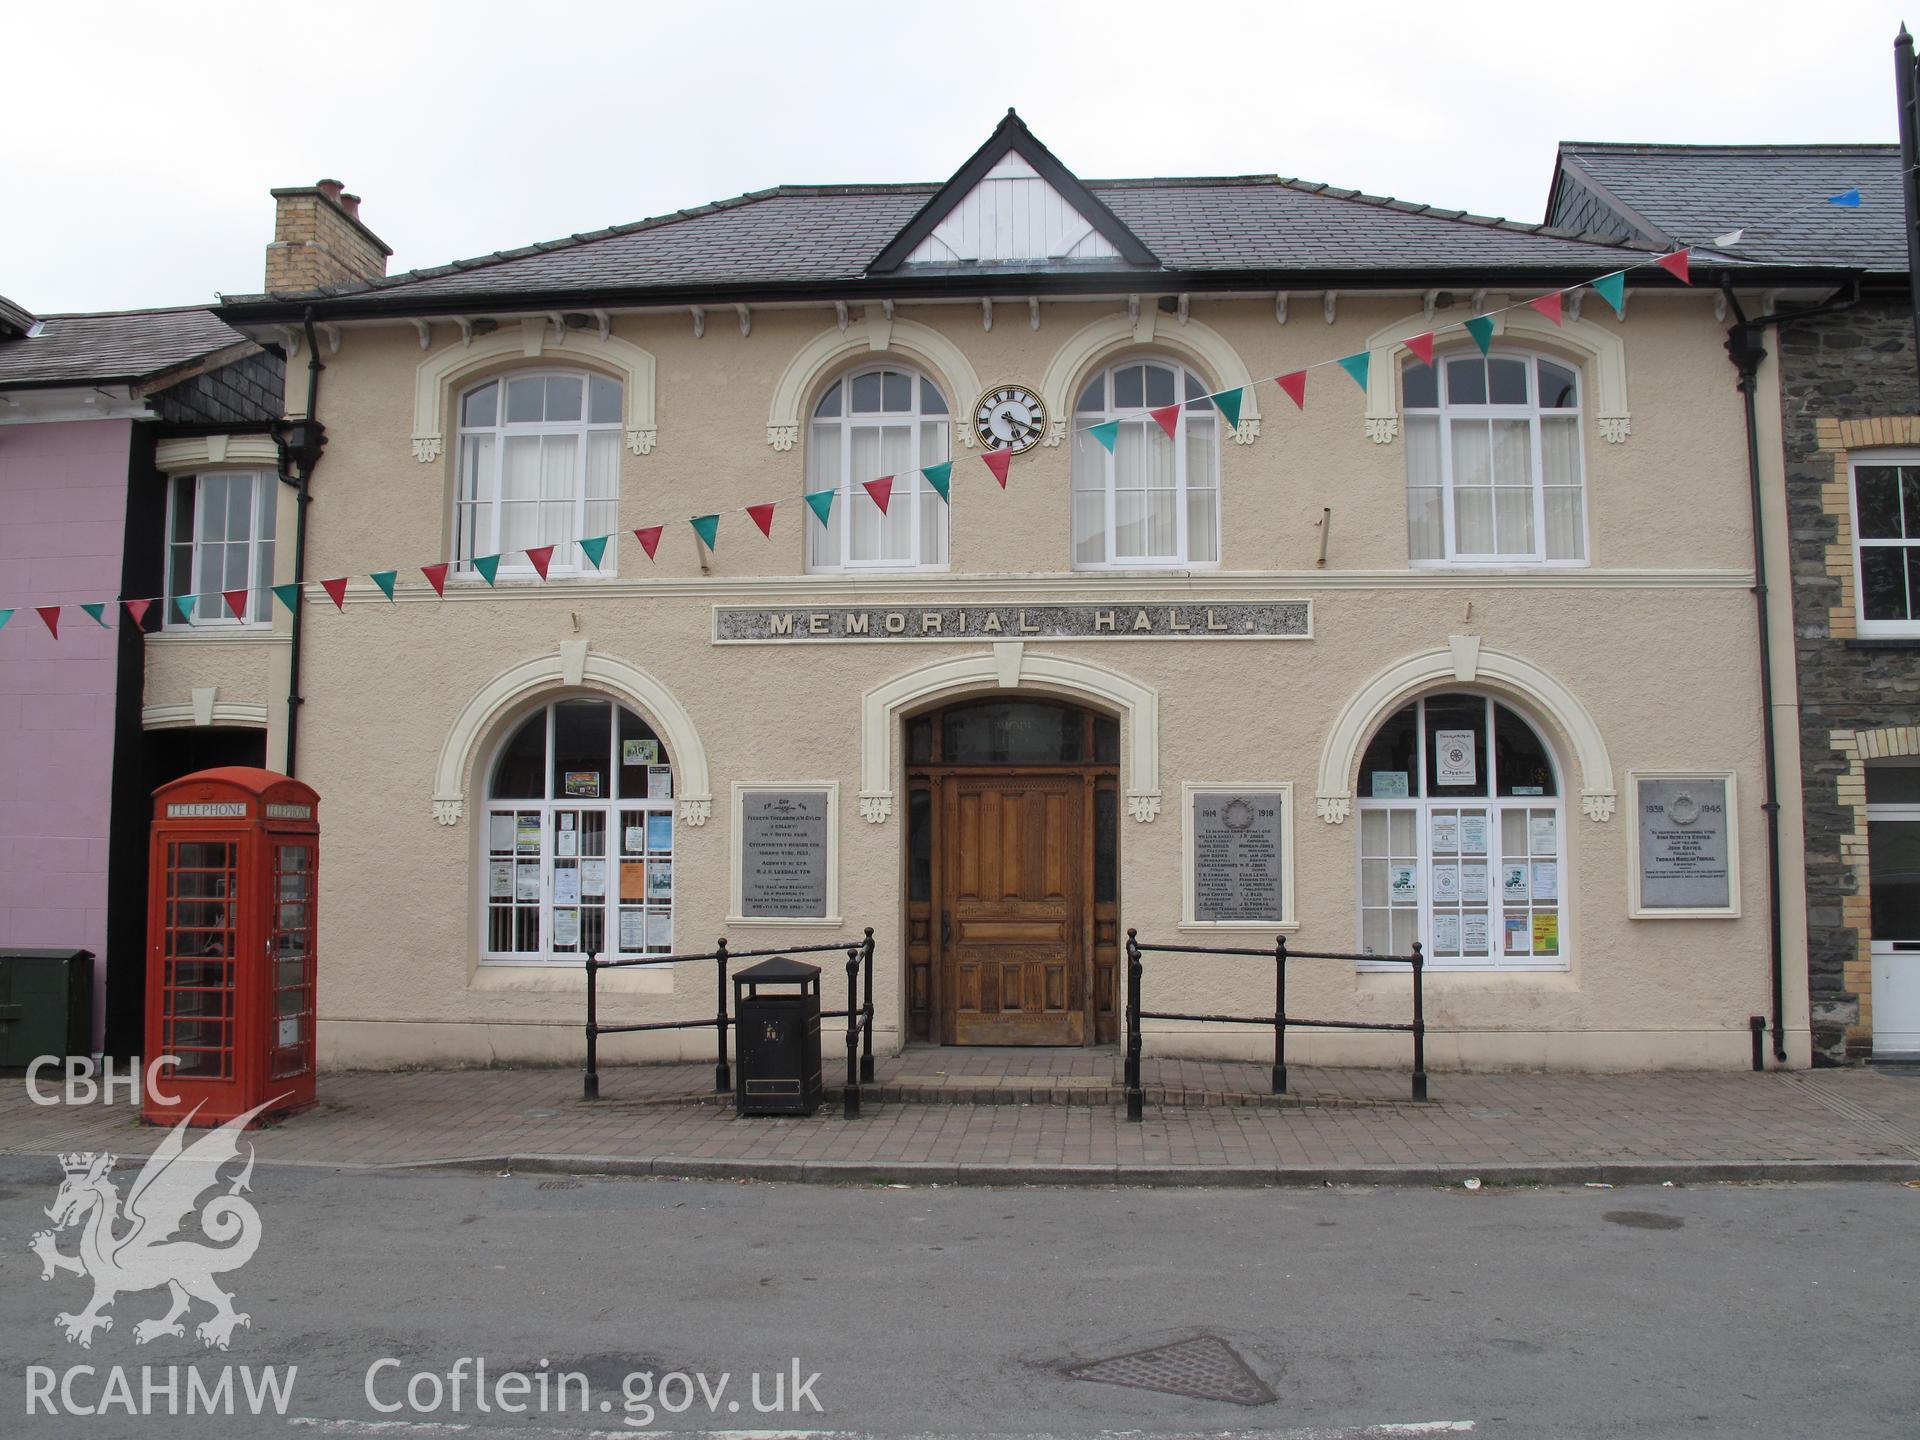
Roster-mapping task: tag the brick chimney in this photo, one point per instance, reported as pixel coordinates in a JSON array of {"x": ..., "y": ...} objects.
[{"x": 319, "y": 239}]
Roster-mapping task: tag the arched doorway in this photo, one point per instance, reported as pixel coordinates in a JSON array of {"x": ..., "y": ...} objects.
[{"x": 1012, "y": 880}]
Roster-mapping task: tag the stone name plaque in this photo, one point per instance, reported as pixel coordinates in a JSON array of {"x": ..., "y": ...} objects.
[
  {"x": 1683, "y": 844},
  {"x": 1236, "y": 856},
  {"x": 783, "y": 854},
  {"x": 827, "y": 624}
]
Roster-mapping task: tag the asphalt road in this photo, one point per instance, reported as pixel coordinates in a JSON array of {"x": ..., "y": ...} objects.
[{"x": 1737, "y": 1311}]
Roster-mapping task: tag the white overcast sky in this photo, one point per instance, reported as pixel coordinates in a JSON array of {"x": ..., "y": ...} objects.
[{"x": 138, "y": 141}]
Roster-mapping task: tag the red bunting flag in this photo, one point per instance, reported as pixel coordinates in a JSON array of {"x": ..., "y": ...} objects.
[
  {"x": 649, "y": 538},
  {"x": 137, "y": 609},
  {"x": 1422, "y": 345},
  {"x": 436, "y": 577},
  {"x": 762, "y": 515},
  {"x": 336, "y": 592},
  {"x": 51, "y": 615},
  {"x": 1168, "y": 418},
  {"x": 236, "y": 603},
  {"x": 997, "y": 461},
  {"x": 541, "y": 556},
  {"x": 1547, "y": 305},
  {"x": 881, "y": 490},
  {"x": 1676, "y": 266},
  {"x": 1295, "y": 384}
]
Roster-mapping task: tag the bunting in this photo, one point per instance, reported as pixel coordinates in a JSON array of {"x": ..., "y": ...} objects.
[
  {"x": 1167, "y": 417},
  {"x": 821, "y": 502},
  {"x": 762, "y": 515},
  {"x": 1480, "y": 327},
  {"x": 488, "y": 566},
  {"x": 707, "y": 527},
  {"x": 183, "y": 607},
  {"x": 1422, "y": 346},
  {"x": 595, "y": 549},
  {"x": 1295, "y": 384},
  {"x": 649, "y": 538},
  {"x": 50, "y": 617},
  {"x": 1547, "y": 305},
  {"x": 99, "y": 614},
  {"x": 1107, "y": 432},
  {"x": 881, "y": 490},
  {"x": 1228, "y": 403},
  {"x": 288, "y": 595},
  {"x": 336, "y": 591},
  {"x": 998, "y": 462},
  {"x": 136, "y": 611},
  {"x": 1357, "y": 366},
  {"x": 384, "y": 579},
  {"x": 1613, "y": 289},
  {"x": 436, "y": 577},
  {"x": 939, "y": 477},
  {"x": 5, "y": 615},
  {"x": 236, "y": 603}
]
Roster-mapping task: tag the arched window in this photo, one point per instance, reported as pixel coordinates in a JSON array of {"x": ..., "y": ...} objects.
[
  {"x": 1494, "y": 468},
  {"x": 1462, "y": 843},
  {"x": 1151, "y": 500},
  {"x": 872, "y": 423},
  {"x": 579, "y": 854},
  {"x": 539, "y": 464}
]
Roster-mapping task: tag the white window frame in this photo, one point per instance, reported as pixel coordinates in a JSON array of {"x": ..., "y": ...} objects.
[
  {"x": 567, "y": 559},
  {"x": 737, "y": 878},
  {"x": 210, "y": 608},
  {"x": 611, "y": 806},
  {"x": 1289, "y": 915},
  {"x": 909, "y": 486},
  {"x": 1445, "y": 413},
  {"x": 1874, "y": 460},
  {"x": 1139, "y": 416},
  {"x": 1495, "y": 805}
]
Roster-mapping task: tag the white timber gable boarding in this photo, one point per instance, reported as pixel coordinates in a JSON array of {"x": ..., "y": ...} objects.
[{"x": 1012, "y": 214}]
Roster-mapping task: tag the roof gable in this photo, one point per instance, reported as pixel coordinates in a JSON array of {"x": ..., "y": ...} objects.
[{"x": 1012, "y": 203}]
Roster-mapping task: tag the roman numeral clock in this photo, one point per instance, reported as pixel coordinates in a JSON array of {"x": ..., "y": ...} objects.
[{"x": 1009, "y": 417}]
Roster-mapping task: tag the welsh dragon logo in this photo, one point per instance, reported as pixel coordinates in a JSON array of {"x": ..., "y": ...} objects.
[{"x": 136, "y": 1251}]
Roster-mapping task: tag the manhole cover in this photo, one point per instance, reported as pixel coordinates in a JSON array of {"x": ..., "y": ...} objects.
[
  {"x": 1203, "y": 1368},
  {"x": 559, "y": 1185}
]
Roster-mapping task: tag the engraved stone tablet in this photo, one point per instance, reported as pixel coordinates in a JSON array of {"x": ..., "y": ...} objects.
[
  {"x": 1683, "y": 845},
  {"x": 1236, "y": 856},
  {"x": 783, "y": 853}
]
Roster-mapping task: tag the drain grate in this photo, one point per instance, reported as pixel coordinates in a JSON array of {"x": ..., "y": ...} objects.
[
  {"x": 1203, "y": 1368},
  {"x": 558, "y": 1185}
]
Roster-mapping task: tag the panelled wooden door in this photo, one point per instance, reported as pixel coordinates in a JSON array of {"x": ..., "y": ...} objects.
[{"x": 1014, "y": 905}]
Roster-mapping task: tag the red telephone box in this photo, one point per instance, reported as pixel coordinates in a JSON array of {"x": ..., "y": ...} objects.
[{"x": 235, "y": 855}]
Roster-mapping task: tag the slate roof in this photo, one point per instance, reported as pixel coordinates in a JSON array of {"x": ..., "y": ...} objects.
[
  {"x": 114, "y": 347},
  {"x": 1671, "y": 195},
  {"x": 13, "y": 319}
]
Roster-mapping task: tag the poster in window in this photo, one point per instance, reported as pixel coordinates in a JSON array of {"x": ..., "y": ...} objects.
[
  {"x": 784, "y": 853},
  {"x": 660, "y": 831},
  {"x": 636, "y": 840},
  {"x": 584, "y": 784},
  {"x": 633, "y": 880},
  {"x": 639, "y": 752},
  {"x": 593, "y": 877},
  {"x": 659, "y": 782},
  {"x": 1473, "y": 933},
  {"x": 527, "y": 835},
  {"x": 1389, "y": 784},
  {"x": 1401, "y": 884},
  {"x": 1454, "y": 762},
  {"x": 1446, "y": 884},
  {"x": 1473, "y": 882},
  {"x": 566, "y": 841},
  {"x": 566, "y": 929},
  {"x": 500, "y": 832},
  {"x": 1546, "y": 932},
  {"x": 500, "y": 879},
  {"x": 659, "y": 880},
  {"x": 1543, "y": 836},
  {"x": 1473, "y": 834},
  {"x": 566, "y": 886},
  {"x": 1516, "y": 934},
  {"x": 1446, "y": 834},
  {"x": 1683, "y": 843},
  {"x": 1446, "y": 933},
  {"x": 1237, "y": 839},
  {"x": 1513, "y": 882},
  {"x": 1546, "y": 880},
  {"x": 659, "y": 930},
  {"x": 526, "y": 883},
  {"x": 633, "y": 930}
]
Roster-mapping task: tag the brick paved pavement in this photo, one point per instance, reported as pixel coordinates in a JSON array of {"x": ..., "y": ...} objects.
[{"x": 1345, "y": 1124}]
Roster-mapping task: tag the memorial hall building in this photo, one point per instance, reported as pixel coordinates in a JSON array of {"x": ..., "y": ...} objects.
[{"x": 1003, "y": 564}]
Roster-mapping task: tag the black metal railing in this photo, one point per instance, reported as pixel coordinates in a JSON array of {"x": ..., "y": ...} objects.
[
  {"x": 1279, "y": 1019},
  {"x": 858, "y": 1014}
]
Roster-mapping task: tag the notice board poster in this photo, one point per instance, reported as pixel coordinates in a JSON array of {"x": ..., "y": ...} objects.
[
  {"x": 783, "y": 854},
  {"x": 1237, "y": 838},
  {"x": 1683, "y": 858}
]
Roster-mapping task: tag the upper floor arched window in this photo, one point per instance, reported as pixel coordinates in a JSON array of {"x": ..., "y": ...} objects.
[
  {"x": 538, "y": 464},
  {"x": 887, "y": 420},
  {"x": 1495, "y": 473},
  {"x": 1152, "y": 500}
]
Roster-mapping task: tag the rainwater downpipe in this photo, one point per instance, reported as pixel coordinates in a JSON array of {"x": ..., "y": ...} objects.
[{"x": 305, "y": 459}]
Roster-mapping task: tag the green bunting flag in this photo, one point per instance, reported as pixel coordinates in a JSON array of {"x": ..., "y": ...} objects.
[
  {"x": 289, "y": 596},
  {"x": 940, "y": 477},
  {"x": 5, "y": 615},
  {"x": 1107, "y": 433},
  {"x": 183, "y": 607},
  {"x": 384, "y": 579},
  {"x": 1613, "y": 289},
  {"x": 594, "y": 549},
  {"x": 821, "y": 503},
  {"x": 1480, "y": 327},
  {"x": 99, "y": 613},
  {"x": 487, "y": 565},
  {"x": 707, "y": 527},
  {"x": 1229, "y": 403},
  {"x": 1356, "y": 366}
]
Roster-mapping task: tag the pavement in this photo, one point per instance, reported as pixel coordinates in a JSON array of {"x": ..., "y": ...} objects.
[{"x": 1050, "y": 1117}]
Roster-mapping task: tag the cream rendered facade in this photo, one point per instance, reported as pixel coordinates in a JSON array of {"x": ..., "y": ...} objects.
[{"x": 1642, "y": 659}]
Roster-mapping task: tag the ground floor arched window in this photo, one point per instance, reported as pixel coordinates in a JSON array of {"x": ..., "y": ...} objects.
[
  {"x": 579, "y": 856},
  {"x": 1462, "y": 838}
]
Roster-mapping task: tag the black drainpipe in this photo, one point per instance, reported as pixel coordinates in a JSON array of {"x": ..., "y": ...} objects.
[
  {"x": 1746, "y": 352},
  {"x": 302, "y": 457}
]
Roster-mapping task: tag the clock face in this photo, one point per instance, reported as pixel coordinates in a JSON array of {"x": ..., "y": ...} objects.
[{"x": 1009, "y": 417}]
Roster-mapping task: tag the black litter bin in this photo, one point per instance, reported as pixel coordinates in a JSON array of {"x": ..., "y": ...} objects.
[
  {"x": 46, "y": 1004},
  {"x": 777, "y": 1038}
]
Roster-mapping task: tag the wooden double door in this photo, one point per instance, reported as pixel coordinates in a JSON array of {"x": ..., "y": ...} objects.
[{"x": 1015, "y": 939}]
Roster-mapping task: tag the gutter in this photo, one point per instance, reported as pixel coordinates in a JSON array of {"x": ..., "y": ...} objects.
[
  {"x": 304, "y": 497},
  {"x": 1746, "y": 352}
]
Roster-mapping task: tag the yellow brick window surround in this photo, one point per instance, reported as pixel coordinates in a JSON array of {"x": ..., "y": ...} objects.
[{"x": 1840, "y": 438}]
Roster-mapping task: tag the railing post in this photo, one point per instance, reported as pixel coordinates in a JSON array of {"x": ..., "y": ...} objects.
[
  {"x": 1135, "y": 1105},
  {"x": 722, "y": 1073},
  {"x": 1419, "y": 1026},
  {"x": 866, "y": 1017},
  {"x": 850, "y": 1096},
  {"x": 592, "y": 1082},
  {"x": 1280, "y": 1015}
]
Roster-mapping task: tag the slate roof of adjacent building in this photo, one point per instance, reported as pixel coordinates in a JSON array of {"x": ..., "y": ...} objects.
[
  {"x": 1674, "y": 195},
  {"x": 113, "y": 347}
]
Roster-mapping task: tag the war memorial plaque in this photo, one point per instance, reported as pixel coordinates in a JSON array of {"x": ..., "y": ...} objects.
[
  {"x": 1683, "y": 856},
  {"x": 783, "y": 854},
  {"x": 1236, "y": 856}
]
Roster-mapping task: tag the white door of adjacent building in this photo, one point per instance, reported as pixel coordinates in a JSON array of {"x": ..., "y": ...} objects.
[{"x": 1893, "y": 841}]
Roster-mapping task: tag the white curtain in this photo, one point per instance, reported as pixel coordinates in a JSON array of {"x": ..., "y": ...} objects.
[
  {"x": 1566, "y": 510},
  {"x": 1426, "y": 536}
]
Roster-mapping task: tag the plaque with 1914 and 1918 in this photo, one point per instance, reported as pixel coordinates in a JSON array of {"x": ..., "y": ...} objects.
[
  {"x": 1237, "y": 840},
  {"x": 1685, "y": 844}
]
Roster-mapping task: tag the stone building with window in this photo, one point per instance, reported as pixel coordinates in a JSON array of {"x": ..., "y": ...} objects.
[
  {"x": 945, "y": 559},
  {"x": 1839, "y": 438}
]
